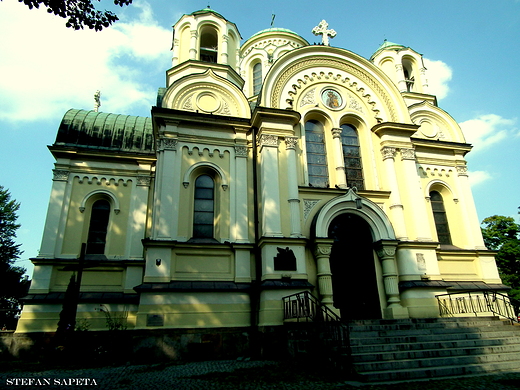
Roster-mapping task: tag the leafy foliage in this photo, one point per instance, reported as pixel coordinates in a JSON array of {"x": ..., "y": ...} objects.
[
  {"x": 502, "y": 235},
  {"x": 80, "y": 13},
  {"x": 13, "y": 283}
]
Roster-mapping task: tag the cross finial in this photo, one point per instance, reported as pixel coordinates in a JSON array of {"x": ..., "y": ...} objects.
[
  {"x": 322, "y": 29},
  {"x": 97, "y": 100}
]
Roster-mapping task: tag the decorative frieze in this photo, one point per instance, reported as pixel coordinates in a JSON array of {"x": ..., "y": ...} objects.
[
  {"x": 241, "y": 151},
  {"x": 167, "y": 144},
  {"x": 462, "y": 170},
  {"x": 308, "y": 205},
  {"x": 407, "y": 154},
  {"x": 308, "y": 98},
  {"x": 336, "y": 132},
  {"x": 144, "y": 181},
  {"x": 268, "y": 140},
  {"x": 291, "y": 142},
  {"x": 388, "y": 152},
  {"x": 60, "y": 175}
]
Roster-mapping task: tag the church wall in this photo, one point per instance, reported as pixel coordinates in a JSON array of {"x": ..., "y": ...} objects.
[{"x": 194, "y": 309}]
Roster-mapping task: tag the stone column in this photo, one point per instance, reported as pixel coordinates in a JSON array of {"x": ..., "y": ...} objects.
[
  {"x": 292, "y": 179},
  {"x": 224, "y": 51},
  {"x": 193, "y": 44},
  {"x": 270, "y": 185},
  {"x": 415, "y": 195},
  {"x": 164, "y": 207},
  {"x": 175, "y": 52},
  {"x": 341, "y": 177},
  {"x": 401, "y": 81},
  {"x": 322, "y": 253},
  {"x": 241, "y": 192},
  {"x": 396, "y": 206},
  {"x": 386, "y": 250},
  {"x": 54, "y": 213},
  {"x": 424, "y": 80}
]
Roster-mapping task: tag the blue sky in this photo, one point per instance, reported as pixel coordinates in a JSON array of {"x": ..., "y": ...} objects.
[{"x": 471, "y": 48}]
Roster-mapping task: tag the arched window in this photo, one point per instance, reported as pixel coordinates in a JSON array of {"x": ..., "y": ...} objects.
[
  {"x": 408, "y": 75},
  {"x": 440, "y": 218},
  {"x": 204, "y": 207},
  {"x": 97, "y": 231},
  {"x": 316, "y": 154},
  {"x": 208, "y": 45},
  {"x": 257, "y": 78},
  {"x": 352, "y": 157}
]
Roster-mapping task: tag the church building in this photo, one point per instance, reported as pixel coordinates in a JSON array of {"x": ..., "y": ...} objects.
[{"x": 267, "y": 168}]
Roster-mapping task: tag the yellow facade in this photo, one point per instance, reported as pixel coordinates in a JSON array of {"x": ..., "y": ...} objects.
[{"x": 285, "y": 168}]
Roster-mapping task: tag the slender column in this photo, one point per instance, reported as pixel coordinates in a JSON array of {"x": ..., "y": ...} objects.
[
  {"x": 341, "y": 177},
  {"x": 415, "y": 195},
  {"x": 322, "y": 253},
  {"x": 241, "y": 203},
  {"x": 175, "y": 52},
  {"x": 401, "y": 81},
  {"x": 193, "y": 44},
  {"x": 50, "y": 233},
  {"x": 292, "y": 179},
  {"x": 224, "y": 52},
  {"x": 424, "y": 80},
  {"x": 270, "y": 182},
  {"x": 167, "y": 150},
  {"x": 396, "y": 206}
]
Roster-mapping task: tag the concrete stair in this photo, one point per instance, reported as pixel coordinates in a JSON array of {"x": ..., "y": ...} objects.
[{"x": 414, "y": 349}]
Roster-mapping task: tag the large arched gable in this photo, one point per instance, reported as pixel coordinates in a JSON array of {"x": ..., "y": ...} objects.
[
  {"x": 296, "y": 70},
  {"x": 435, "y": 123},
  {"x": 354, "y": 204},
  {"x": 207, "y": 93}
]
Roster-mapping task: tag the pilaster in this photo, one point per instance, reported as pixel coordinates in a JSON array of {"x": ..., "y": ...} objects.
[
  {"x": 341, "y": 178},
  {"x": 292, "y": 178}
]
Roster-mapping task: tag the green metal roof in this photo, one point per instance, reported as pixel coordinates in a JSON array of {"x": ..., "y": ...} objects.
[
  {"x": 274, "y": 29},
  {"x": 388, "y": 45},
  {"x": 207, "y": 10},
  {"x": 104, "y": 131}
]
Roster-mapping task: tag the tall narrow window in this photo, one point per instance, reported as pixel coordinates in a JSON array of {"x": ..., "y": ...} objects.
[
  {"x": 257, "y": 78},
  {"x": 440, "y": 218},
  {"x": 208, "y": 45},
  {"x": 352, "y": 157},
  {"x": 316, "y": 154},
  {"x": 204, "y": 207},
  {"x": 97, "y": 232},
  {"x": 408, "y": 77}
]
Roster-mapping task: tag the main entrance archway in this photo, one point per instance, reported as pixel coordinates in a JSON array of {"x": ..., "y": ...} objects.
[{"x": 352, "y": 264}]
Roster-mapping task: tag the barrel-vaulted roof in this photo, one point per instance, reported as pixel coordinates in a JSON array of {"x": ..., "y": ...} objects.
[{"x": 99, "y": 130}]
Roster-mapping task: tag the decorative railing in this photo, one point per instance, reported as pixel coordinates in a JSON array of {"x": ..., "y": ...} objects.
[
  {"x": 334, "y": 335},
  {"x": 479, "y": 302},
  {"x": 305, "y": 307}
]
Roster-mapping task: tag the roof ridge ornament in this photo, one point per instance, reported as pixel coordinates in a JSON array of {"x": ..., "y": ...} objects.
[
  {"x": 323, "y": 30},
  {"x": 97, "y": 100}
]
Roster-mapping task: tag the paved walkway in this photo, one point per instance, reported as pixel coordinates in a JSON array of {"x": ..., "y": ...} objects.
[{"x": 227, "y": 374}]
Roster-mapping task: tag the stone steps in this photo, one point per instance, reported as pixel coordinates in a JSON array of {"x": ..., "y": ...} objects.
[{"x": 395, "y": 350}]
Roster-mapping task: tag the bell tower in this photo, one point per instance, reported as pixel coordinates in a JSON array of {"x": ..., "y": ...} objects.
[
  {"x": 206, "y": 36},
  {"x": 404, "y": 66}
]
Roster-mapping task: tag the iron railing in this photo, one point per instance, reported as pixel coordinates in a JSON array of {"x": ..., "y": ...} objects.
[
  {"x": 334, "y": 335},
  {"x": 304, "y": 306},
  {"x": 479, "y": 302}
]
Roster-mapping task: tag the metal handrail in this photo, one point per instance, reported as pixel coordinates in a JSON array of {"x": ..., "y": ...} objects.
[
  {"x": 305, "y": 305},
  {"x": 479, "y": 302}
]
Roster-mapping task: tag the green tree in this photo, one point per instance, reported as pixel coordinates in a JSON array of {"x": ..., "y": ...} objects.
[
  {"x": 80, "y": 13},
  {"x": 502, "y": 235},
  {"x": 13, "y": 283}
]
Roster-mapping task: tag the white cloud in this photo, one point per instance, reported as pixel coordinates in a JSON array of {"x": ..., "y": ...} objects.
[
  {"x": 438, "y": 74},
  {"x": 48, "y": 68},
  {"x": 486, "y": 130},
  {"x": 478, "y": 177}
]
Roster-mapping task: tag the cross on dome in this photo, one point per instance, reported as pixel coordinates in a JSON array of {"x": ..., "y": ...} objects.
[{"x": 322, "y": 29}]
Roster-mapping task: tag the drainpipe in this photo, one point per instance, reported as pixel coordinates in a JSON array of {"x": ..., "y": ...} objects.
[{"x": 255, "y": 285}]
